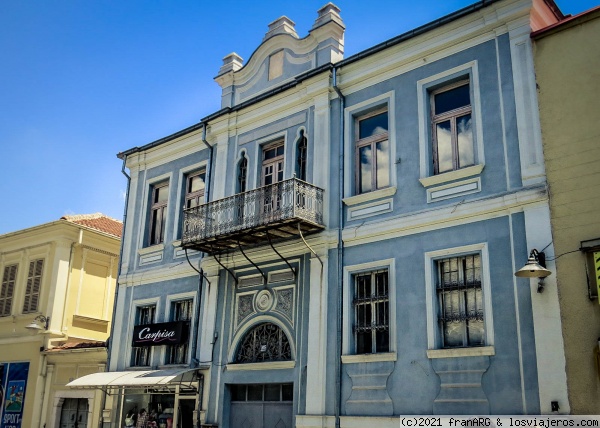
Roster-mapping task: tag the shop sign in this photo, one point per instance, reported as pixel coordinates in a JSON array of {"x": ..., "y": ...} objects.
[
  {"x": 13, "y": 382},
  {"x": 166, "y": 333}
]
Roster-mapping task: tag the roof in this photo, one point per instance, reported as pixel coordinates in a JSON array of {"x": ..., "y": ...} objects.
[
  {"x": 97, "y": 221},
  {"x": 81, "y": 345},
  {"x": 565, "y": 23},
  {"x": 480, "y": 4}
]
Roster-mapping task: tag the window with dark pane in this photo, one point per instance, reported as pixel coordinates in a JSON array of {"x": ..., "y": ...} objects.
[
  {"x": 242, "y": 174},
  {"x": 140, "y": 355},
  {"x": 7, "y": 291},
  {"x": 181, "y": 310},
  {"x": 371, "y": 312},
  {"x": 272, "y": 392},
  {"x": 158, "y": 213},
  {"x": 194, "y": 193},
  {"x": 452, "y": 128},
  {"x": 372, "y": 152},
  {"x": 301, "y": 156},
  {"x": 460, "y": 301},
  {"x": 34, "y": 284}
]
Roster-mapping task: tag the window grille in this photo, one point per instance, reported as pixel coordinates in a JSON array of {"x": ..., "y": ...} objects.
[
  {"x": 265, "y": 342},
  {"x": 371, "y": 312},
  {"x": 460, "y": 301}
]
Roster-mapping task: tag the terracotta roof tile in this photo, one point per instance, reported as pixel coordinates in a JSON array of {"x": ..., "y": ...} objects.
[
  {"x": 80, "y": 345},
  {"x": 97, "y": 221}
]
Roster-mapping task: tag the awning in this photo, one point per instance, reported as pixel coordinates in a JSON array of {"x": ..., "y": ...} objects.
[{"x": 137, "y": 379}]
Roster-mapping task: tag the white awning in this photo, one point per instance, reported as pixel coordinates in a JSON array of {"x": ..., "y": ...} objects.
[{"x": 135, "y": 379}]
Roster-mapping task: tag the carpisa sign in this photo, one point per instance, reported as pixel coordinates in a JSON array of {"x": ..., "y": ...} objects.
[{"x": 166, "y": 333}]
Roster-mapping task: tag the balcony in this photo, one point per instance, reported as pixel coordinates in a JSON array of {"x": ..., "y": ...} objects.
[{"x": 271, "y": 213}]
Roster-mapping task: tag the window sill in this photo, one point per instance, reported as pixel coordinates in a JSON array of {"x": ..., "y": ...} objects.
[
  {"x": 369, "y": 196},
  {"x": 151, "y": 249},
  {"x": 479, "y": 351},
  {"x": 173, "y": 366},
  {"x": 369, "y": 358},
  {"x": 451, "y": 176},
  {"x": 262, "y": 366}
]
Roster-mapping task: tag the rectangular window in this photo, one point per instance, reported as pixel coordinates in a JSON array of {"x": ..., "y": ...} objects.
[
  {"x": 181, "y": 310},
  {"x": 194, "y": 191},
  {"x": 8, "y": 289},
  {"x": 140, "y": 356},
  {"x": 34, "y": 284},
  {"x": 460, "y": 301},
  {"x": 452, "y": 128},
  {"x": 372, "y": 152},
  {"x": 371, "y": 312},
  {"x": 158, "y": 213}
]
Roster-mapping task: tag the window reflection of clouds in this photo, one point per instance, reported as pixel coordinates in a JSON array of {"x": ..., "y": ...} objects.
[
  {"x": 444, "y": 146},
  {"x": 466, "y": 155},
  {"x": 366, "y": 167},
  {"x": 383, "y": 164}
]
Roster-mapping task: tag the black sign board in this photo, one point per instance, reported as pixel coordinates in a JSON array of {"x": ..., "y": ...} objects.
[{"x": 166, "y": 333}]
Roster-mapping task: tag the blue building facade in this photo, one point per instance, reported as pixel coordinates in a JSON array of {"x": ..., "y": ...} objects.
[{"x": 337, "y": 245}]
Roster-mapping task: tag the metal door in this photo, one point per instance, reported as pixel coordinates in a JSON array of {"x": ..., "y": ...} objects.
[
  {"x": 262, "y": 406},
  {"x": 74, "y": 413}
]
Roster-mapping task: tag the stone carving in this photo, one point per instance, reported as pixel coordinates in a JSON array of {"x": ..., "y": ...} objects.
[
  {"x": 264, "y": 300},
  {"x": 285, "y": 302},
  {"x": 244, "y": 307}
]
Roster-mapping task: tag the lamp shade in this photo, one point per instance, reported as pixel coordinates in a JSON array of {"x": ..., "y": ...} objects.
[
  {"x": 532, "y": 269},
  {"x": 34, "y": 326}
]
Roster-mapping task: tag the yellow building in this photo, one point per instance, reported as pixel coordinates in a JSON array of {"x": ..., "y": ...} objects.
[
  {"x": 56, "y": 300},
  {"x": 567, "y": 63}
]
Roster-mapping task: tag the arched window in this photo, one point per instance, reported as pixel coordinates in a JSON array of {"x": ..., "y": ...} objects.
[
  {"x": 242, "y": 174},
  {"x": 301, "y": 156},
  {"x": 265, "y": 342}
]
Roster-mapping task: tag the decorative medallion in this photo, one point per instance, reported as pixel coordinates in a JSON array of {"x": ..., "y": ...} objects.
[{"x": 264, "y": 300}]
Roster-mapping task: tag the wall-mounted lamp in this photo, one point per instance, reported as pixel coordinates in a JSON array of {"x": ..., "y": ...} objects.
[
  {"x": 35, "y": 324},
  {"x": 535, "y": 268}
]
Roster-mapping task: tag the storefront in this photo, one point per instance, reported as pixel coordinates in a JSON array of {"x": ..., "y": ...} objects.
[{"x": 159, "y": 398}]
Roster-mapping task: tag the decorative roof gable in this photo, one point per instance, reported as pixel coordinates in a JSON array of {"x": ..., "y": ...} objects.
[{"x": 281, "y": 56}]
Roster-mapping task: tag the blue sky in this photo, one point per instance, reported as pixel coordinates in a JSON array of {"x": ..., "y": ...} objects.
[{"x": 81, "y": 81}]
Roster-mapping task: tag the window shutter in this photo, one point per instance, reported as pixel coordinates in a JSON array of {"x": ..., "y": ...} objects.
[
  {"x": 7, "y": 290},
  {"x": 34, "y": 282}
]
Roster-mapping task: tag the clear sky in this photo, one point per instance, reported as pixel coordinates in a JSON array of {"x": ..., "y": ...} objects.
[{"x": 81, "y": 81}]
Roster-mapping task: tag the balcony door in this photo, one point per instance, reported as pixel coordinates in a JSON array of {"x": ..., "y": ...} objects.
[{"x": 272, "y": 173}]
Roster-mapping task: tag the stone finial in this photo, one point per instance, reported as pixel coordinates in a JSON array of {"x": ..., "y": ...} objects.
[
  {"x": 329, "y": 12},
  {"x": 231, "y": 62},
  {"x": 282, "y": 25}
]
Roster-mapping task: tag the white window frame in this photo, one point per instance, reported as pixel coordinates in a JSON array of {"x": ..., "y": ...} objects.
[
  {"x": 433, "y": 332},
  {"x": 425, "y": 86},
  {"x": 348, "y": 355},
  {"x": 181, "y": 191},
  {"x": 174, "y": 298},
  {"x": 352, "y": 113},
  {"x": 132, "y": 314},
  {"x": 144, "y": 227},
  {"x": 254, "y": 174}
]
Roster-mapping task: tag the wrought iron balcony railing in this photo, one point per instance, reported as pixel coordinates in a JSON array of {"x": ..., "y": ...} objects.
[{"x": 274, "y": 212}]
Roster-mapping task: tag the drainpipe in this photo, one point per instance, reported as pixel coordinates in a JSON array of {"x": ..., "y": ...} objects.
[
  {"x": 201, "y": 271},
  {"x": 114, "y": 311},
  {"x": 340, "y": 258}
]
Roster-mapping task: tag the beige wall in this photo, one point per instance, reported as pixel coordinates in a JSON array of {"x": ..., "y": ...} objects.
[
  {"x": 65, "y": 366},
  {"x": 567, "y": 62},
  {"x": 77, "y": 293}
]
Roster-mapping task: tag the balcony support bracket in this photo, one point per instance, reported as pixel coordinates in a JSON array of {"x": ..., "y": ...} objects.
[
  {"x": 226, "y": 268},
  {"x": 253, "y": 264},
  {"x": 280, "y": 256}
]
